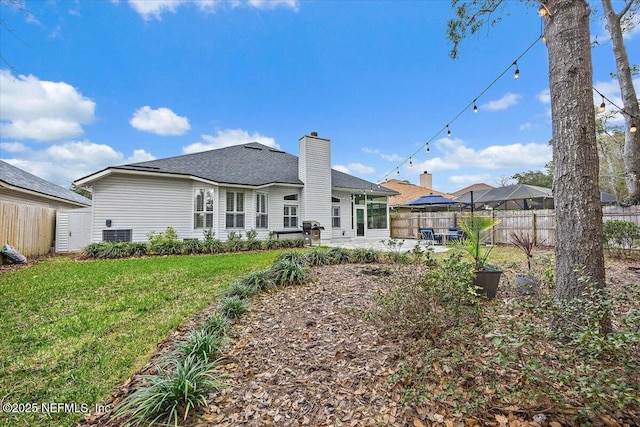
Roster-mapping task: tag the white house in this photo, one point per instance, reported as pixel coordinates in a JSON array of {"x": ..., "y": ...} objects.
[{"x": 235, "y": 189}]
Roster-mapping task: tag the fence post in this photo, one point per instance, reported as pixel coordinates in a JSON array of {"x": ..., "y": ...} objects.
[{"x": 534, "y": 228}]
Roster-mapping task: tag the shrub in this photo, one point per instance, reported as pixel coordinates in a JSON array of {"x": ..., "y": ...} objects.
[
  {"x": 364, "y": 256},
  {"x": 201, "y": 344},
  {"x": 233, "y": 307},
  {"x": 212, "y": 246},
  {"x": 318, "y": 256},
  {"x": 273, "y": 243},
  {"x": 259, "y": 280},
  {"x": 192, "y": 246},
  {"x": 437, "y": 301},
  {"x": 297, "y": 257},
  {"x": 234, "y": 242},
  {"x": 170, "y": 395},
  {"x": 287, "y": 272},
  {"x": 241, "y": 290},
  {"x": 620, "y": 237},
  {"x": 216, "y": 325},
  {"x": 252, "y": 234},
  {"x": 339, "y": 255},
  {"x": 296, "y": 243},
  {"x": 164, "y": 243},
  {"x": 111, "y": 250}
]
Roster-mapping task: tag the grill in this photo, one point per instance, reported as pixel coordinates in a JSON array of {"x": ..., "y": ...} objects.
[{"x": 311, "y": 232}]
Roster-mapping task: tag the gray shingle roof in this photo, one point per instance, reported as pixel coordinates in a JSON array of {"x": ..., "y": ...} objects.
[
  {"x": 16, "y": 177},
  {"x": 250, "y": 164}
]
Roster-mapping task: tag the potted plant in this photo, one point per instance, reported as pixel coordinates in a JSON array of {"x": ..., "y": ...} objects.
[
  {"x": 475, "y": 241},
  {"x": 526, "y": 283}
]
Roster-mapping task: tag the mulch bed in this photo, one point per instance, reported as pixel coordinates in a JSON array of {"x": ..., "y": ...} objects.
[{"x": 307, "y": 355}]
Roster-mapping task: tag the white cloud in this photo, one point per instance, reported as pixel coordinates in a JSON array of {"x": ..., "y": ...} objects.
[
  {"x": 13, "y": 147},
  {"x": 42, "y": 110},
  {"x": 63, "y": 163},
  {"x": 354, "y": 169},
  {"x": 526, "y": 126},
  {"x": 544, "y": 96},
  {"x": 227, "y": 138},
  {"x": 162, "y": 121},
  {"x": 508, "y": 100},
  {"x": 388, "y": 157},
  {"x": 342, "y": 169},
  {"x": 153, "y": 9},
  {"x": 466, "y": 180}
]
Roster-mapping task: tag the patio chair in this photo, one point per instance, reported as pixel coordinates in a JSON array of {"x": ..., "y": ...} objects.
[
  {"x": 455, "y": 234},
  {"x": 428, "y": 234}
]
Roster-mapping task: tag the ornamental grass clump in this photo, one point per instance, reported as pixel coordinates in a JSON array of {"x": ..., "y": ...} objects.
[
  {"x": 169, "y": 396},
  {"x": 318, "y": 256},
  {"x": 241, "y": 290},
  {"x": 339, "y": 255},
  {"x": 260, "y": 280},
  {"x": 203, "y": 344},
  {"x": 287, "y": 272},
  {"x": 364, "y": 256},
  {"x": 233, "y": 307},
  {"x": 294, "y": 256}
]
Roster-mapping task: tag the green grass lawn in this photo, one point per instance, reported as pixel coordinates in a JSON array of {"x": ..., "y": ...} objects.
[{"x": 72, "y": 331}]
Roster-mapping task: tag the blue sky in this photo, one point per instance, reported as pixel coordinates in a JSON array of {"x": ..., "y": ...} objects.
[{"x": 85, "y": 85}]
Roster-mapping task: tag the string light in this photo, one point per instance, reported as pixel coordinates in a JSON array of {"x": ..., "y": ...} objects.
[
  {"x": 410, "y": 162},
  {"x": 516, "y": 75},
  {"x": 633, "y": 128},
  {"x": 462, "y": 111}
]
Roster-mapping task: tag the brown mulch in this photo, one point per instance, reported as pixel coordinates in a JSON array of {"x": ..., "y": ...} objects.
[{"x": 307, "y": 355}]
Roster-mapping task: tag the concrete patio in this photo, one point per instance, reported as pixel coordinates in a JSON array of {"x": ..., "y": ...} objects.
[{"x": 377, "y": 244}]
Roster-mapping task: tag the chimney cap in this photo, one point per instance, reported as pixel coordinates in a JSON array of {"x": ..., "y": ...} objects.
[{"x": 314, "y": 133}]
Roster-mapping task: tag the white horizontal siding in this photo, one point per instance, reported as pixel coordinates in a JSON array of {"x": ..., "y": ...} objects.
[
  {"x": 18, "y": 197},
  {"x": 143, "y": 204}
]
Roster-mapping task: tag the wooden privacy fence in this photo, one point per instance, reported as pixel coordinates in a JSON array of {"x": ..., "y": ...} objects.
[
  {"x": 29, "y": 229},
  {"x": 541, "y": 224}
]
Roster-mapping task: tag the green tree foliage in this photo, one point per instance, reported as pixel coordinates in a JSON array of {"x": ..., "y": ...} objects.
[{"x": 538, "y": 178}]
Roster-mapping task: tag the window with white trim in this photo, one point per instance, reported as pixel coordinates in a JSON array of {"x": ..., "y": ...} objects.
[
  {"x": 203, "y": 208},
  {"x": 235, "y": 210},
  {"x": 335, "y": 216},
  {"x": 290, "y": 216},
  {"x": 262, "y": 210}
]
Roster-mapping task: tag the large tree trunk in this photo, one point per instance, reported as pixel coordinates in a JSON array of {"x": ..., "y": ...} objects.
[
  {"x": 629, "y": 101},
  {"x": 579, "y": 237}
]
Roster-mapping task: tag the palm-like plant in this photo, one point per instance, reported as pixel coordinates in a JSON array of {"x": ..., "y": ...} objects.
[{"x": 476, "y": 236}]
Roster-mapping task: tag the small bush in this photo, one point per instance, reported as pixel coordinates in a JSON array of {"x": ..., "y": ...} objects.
[
  {"x": 339, "y": 255},
  {"x": 192, "y": 246},
  {"x": 234, "y": 242},
  {"x": 259, "y": 280},
  {"x": 110, "y": 250},
  {"x": 296, "y": 243},
  {"x": 170, "y": 395},
  {"x": 241, "y": 290},
  {"x": 273, "y": 243},
  {"x": 216, "y": 325},
  {"x": 287, "y": 272},
  {"x": 439, "y": 300},
  {"x": 297, "y": 257},
  {"x": 318, "y": 256},
  {"x": 620, "y": 237},
  {"x": 212, "y": 247},
  {"x": 201, "y": 344},
  {"x": 364, "y": 256},
  {"x": 233, "y": 307},
  {"x": 165, "y": 243}
]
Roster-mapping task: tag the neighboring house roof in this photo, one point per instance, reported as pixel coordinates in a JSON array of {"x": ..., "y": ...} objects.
[
  {"x": 479, "y": 187},
  {"x": 250, "y": 164},
  {"x": 408, "y": 192},
  {"x": 16, "y": 179}
]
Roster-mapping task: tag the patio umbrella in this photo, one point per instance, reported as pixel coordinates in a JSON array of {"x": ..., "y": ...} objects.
[{"x": 431, "y": 199}]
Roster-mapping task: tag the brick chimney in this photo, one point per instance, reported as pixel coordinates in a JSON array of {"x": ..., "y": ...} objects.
[{"x": 426, "y": 180}]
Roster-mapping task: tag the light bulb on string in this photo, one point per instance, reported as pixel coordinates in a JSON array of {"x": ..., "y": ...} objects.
[
  {"x": 475, "y": 107},
  {"x": 410, "y": 162},
  {"x": 603, "y": 106},
  {"x": 633, "y": 128},
  {"x": 428, "y": 147},
  {"x": 448, "y": 131},
  {"x": 516, "y": 75},
  {"x": 398, "y": 171}
]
